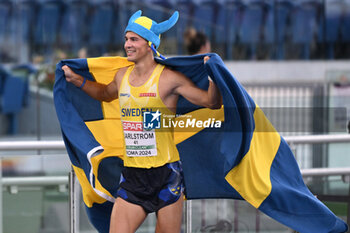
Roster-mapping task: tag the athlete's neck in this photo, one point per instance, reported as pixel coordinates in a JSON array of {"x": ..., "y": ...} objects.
[{"x": 143, "y": 68}]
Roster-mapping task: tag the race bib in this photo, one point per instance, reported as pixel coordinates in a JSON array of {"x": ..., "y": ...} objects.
[{"x": 138, "y": 142}]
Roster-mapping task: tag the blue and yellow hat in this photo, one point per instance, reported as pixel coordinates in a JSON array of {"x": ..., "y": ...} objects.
[{"x": 149, "y": 29}]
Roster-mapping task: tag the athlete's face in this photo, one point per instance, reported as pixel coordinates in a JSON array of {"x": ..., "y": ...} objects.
[{"x": 135, "y": 46}]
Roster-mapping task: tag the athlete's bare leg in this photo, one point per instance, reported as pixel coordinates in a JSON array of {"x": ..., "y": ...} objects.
[
  {"x": 126, "y": 217},
  {"x": 169, "y": 218}
]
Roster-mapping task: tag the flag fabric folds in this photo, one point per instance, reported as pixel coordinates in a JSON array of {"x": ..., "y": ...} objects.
[{"x": 245, "y": 159}]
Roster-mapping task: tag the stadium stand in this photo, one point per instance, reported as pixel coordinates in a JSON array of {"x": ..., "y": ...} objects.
[
  {"x": 48, "y": 22},
  {"x": 269, "y": 30},
  {"x": 345, "y": 25},
  {"x": 124, "y": 9},
  {"x": 23, "y": 18},
  {"x": 330, "y": 26},
  {"x": 304, "y": 26},
  {"x": 101, "y": 26},
  {"x": 157, "y": 8},
  {"x": 250, "y": 32},
  {"x": 73, "y": 30},
  {"x": 238, "y": 29},
  {"x": 229, "y": 21},
  {"x": 283, "y": 10},
  {"x": 5, "y": 13},
  {"x": 185, "y": 8},
  {"x": 22, "y": 21},
  {"x": 204, "y": 17}
]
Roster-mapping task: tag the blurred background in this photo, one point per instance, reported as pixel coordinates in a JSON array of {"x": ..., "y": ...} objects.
[{"x": 292, "y": 56}]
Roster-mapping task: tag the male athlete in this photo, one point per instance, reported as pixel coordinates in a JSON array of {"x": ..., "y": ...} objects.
[{"x": 152, "y": 180}]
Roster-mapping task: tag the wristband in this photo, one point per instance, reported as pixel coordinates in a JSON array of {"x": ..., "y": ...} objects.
[{"x": 84, "y": 81}]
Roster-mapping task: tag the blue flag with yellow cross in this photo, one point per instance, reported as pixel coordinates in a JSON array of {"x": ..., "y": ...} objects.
[{"x": 245, "y": 158}]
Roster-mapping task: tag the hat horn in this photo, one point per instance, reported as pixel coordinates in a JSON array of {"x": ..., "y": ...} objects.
[
  {"x": 136, "y": 15},
  {"x": 166, "y": 25}
]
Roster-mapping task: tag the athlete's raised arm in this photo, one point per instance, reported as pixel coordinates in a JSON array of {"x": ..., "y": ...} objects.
[
  {"x": 210, "y": 98},
  {"x": 99, "y": 91}
]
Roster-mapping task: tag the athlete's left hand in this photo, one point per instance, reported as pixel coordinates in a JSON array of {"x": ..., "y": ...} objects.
[{"x": 205, "y": 59}]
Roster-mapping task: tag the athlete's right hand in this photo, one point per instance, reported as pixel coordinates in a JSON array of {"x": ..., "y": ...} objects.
[{"x": 71, "y": 76}]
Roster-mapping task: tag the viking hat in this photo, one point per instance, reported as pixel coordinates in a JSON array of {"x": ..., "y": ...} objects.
[{"x": 149, "y": 29}]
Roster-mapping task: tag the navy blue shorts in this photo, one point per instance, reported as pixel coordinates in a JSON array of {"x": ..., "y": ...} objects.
[{"x": 152, "y": 188}]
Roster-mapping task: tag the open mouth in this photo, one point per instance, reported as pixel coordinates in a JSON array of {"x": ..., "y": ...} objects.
[{"x": 130, "y": 52}]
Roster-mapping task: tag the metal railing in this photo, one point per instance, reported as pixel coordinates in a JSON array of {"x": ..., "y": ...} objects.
[
  {"x": 314, "y": 139},
  {"x": 63, "y": 181},
  {"x": 14, "y": 182}
]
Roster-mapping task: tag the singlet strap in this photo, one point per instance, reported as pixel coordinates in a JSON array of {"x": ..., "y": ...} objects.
[
  {"x": 157, "y": 72},
  {"x": 126, "y": 76},
  {"x": 128, "y": 71}
]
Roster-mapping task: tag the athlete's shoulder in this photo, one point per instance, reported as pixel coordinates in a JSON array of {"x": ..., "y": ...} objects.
[
  {"x": 122, "y": 71},
  {"x": 169, "y": 73}
]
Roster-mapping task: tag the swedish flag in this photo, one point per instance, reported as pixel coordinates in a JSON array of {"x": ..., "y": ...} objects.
[{"x": 245, "y": 159}]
